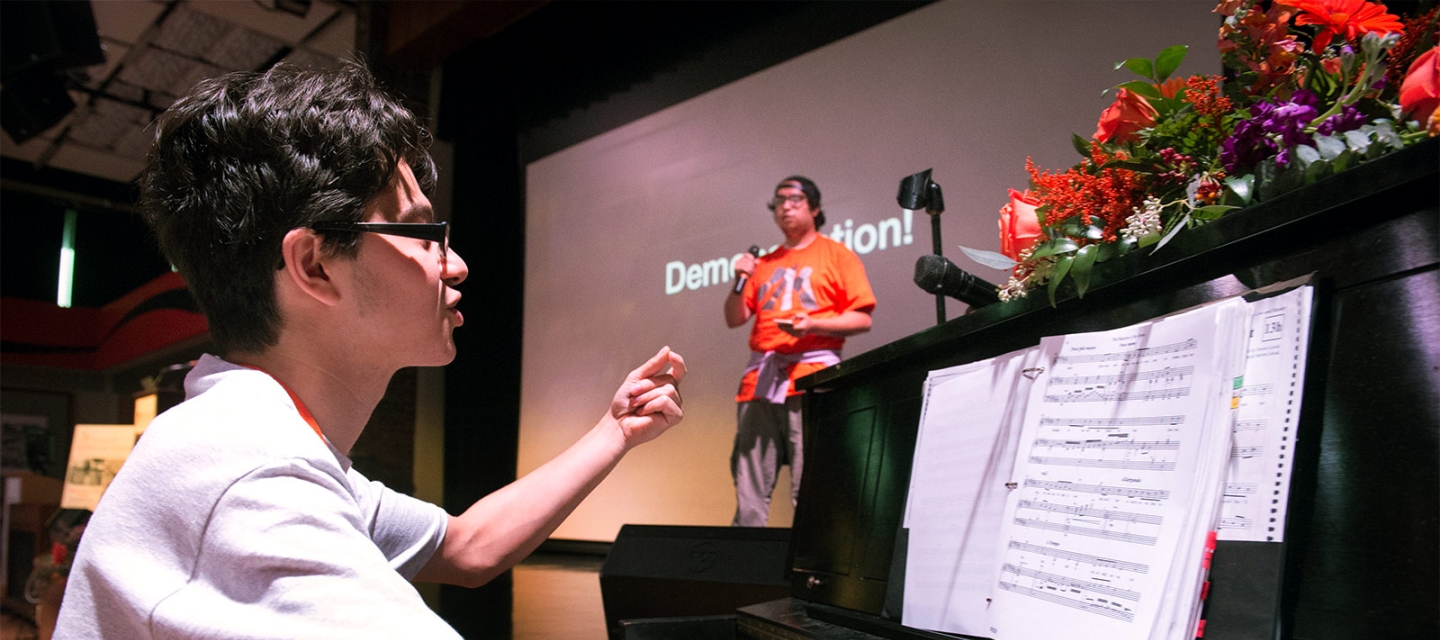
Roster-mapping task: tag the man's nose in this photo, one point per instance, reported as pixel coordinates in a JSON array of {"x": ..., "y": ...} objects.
[{"x": 455, "y": 271}]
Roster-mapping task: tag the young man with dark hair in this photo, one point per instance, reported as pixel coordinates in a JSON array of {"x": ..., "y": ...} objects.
[
  {"x": 806, "y": 297},
  {"x": 294, "y": 204}
]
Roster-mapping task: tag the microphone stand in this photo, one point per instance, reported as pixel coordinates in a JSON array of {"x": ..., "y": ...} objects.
[
  {"x": 935, "y": 205},
  {"x": 939, "y": 297}
]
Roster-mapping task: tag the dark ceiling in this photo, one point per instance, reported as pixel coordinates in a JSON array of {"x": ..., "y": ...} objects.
[{"x": 563, "y": 71}]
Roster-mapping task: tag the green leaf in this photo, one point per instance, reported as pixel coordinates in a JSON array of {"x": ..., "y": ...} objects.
[
  {"x": 1062, "y": 267},
  {"x": 1054, "y": 247},
  {"x": 1214, "y": 211},
  {"x": 1141, "y": 87},
  {"x": 1139, "y": 66},
  {"x": 1111, "y": 249},
  {"x": 1082, "y": 145},
  {"x": 1242, "y": 186},
  {"x": 1275, "y": 181},
  {"x": 1342, "y": 161},
  {"x": 1168, "y": 61},
  {"x": 989, "y": 258},
  {"x": 1084, "y": 260},
  {"x": 1384, "y": 132},
  {"x": 1148, "y": 240},
  {"x": 1316, "y": 170},
  {"x": 1307, "y": 155},
  {"x": 1329, "y": 147},
  {"x": 1357, "y": 141},
  {"x": 1131, "y": 165},
  {"x": 1179, "y": 224},
  {"x": 1093, "y": 232}
]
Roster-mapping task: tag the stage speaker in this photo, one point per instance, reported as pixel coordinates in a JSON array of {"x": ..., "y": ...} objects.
[
  {"x": 666, "y": 571},
  {"x": 49, "y": 36},
  {"x": 33, "y": 103}
]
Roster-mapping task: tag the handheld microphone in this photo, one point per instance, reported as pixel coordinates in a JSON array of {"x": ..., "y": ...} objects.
[
  {"x": 740, "y": 281},
  {"x": 936, "y": 274}
]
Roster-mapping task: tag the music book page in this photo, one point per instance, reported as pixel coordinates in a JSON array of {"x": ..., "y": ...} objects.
[
  {"x": 964, "y": 455},
  {"x": 1257, "y": 485},
  {"x": 1119, "y": 431}
]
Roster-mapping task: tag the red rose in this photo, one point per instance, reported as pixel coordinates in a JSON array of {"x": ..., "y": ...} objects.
[
  {"x": 1420, "y": 93},
  {"x": 1129, "y": 113},
  {"x": 1019, "y": 224}
]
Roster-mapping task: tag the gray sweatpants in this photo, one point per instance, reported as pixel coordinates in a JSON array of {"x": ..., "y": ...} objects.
[{"x": 768, "y": 437}]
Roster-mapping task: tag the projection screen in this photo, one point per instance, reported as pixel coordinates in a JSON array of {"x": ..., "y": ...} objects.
[{"x": 629, "y": 234}]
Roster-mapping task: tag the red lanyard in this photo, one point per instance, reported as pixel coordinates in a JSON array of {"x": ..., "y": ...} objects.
[{"x": 299, "y": 406}]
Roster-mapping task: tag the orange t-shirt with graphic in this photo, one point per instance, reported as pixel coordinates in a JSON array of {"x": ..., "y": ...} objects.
[{"x": 824, "y": 280}]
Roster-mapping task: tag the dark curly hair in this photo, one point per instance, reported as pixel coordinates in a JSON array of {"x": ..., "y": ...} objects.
[
  {"x": 246, "y": 157},
  {"x": 812, "y": 194}
]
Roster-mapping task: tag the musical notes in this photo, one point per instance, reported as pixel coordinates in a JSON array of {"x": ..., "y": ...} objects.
[
  {"x": 1128, "y": 356},
  {"x": 1085, "y": 505},
  {"x": 1168, "y": 373},
  {"x": 1099, "y": 489},
  {"x": 1110, "y": 423},
  {"x": 1264, "y": 425},
  {"x": 1106, "y": 563},
  {"x": 1115, "y": 437}
]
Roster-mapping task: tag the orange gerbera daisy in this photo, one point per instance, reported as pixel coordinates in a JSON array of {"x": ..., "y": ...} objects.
[{"x": 1350, "y": 18}]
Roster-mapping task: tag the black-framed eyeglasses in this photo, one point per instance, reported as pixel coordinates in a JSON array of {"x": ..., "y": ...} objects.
[
  {"x": 437, "y": 232},
  {"x": 432, "y": 231},
  {"x": 792, "y": 199}
]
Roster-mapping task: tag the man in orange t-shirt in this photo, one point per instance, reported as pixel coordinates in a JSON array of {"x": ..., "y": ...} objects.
[{"x": 806, "y": 296}]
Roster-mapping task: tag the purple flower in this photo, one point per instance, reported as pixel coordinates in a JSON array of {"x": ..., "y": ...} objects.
[
  {"x": 1247, "y": 147},
  {"x": 1273, "y": 129},
  {"x": 1348, "y": 119}
]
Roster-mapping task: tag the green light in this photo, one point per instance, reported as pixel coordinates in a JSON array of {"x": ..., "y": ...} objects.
[{"x": 67, "y": 260}]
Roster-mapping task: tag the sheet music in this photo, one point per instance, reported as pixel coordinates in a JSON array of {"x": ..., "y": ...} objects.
[
  {"x": 1117, "y": 430},
  {"x": 964, "y": 455},
  {"x": 1257, "y": 485}
]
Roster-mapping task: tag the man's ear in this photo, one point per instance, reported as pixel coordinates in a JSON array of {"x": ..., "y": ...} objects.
[{"x": 306, "y": 265}]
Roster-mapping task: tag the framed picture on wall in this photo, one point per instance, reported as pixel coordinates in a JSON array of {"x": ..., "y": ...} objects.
[{"x": 26, "y": 443}]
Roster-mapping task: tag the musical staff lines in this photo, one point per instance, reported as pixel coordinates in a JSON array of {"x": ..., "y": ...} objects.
[
  {"x": 1256, "y": 390},
  {"x": 1083, "y": 595},
  {"x": 1126, "y": 378},
  {"x": 1240, "y": 489},
  {"x": 1112, "y": 423},
  {"x": 1107, "y": 514},
  {"x": 1069, "y": 602},
  {"x": 1134, "y": 465},
  {"x": 1071, "y": 583},
  {"x": 1250, "y": 425},
  {"x": 1243, "y": 452},
  {"x": 1125, "y": 356},
  {"x": 1237, "y": 522},
  {"x": 1096, "y": 394},
  {"x": 1111, "y": 453},
  {"x": 1102, "y": 445},
  {"x": 1061, "y": 554},
  {"x": 1092, "y": 532},
  {"x": 1100, "y": 489},
  {"x": 1076, "y": 604}
]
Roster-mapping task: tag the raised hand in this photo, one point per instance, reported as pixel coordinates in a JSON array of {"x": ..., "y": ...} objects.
[{"x": 649, "y": 403}]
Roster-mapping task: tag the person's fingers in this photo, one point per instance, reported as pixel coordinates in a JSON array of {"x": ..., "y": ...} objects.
[
  {"x": 665, "y": 391},
  {"x": 655, "y": 365},
  {"x": 677, "y": 367},
  {"x": 664, "y": 406}
]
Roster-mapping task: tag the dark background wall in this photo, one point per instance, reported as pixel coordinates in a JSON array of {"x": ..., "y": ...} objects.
[{"x": 564, "y": 73}]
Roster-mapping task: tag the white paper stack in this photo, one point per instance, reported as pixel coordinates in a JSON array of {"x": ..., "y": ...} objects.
[{"x": 1074, "y": 489}]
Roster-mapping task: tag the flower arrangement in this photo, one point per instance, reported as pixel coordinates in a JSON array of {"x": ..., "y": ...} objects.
[
  {"x": 1312, "y": 88},
  {"x": 55, "y": 566}
]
